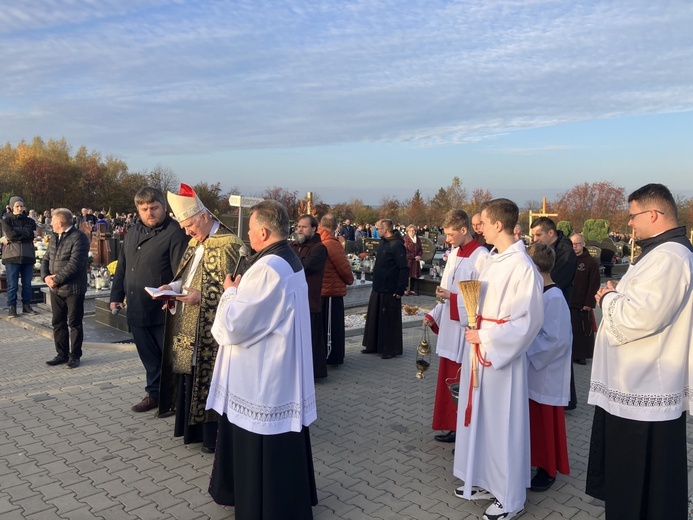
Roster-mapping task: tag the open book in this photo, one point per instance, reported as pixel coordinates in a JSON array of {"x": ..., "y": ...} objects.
[{"x": 162, "y": 295}]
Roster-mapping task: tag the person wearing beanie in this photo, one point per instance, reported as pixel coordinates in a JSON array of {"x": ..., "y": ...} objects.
[{"x": 18, "y": 255}]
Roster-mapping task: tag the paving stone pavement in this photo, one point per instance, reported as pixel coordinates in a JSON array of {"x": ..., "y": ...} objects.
[{"x": 71, "y": 448}]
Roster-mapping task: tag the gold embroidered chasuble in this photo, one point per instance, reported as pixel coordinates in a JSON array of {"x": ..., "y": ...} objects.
[{"x": 189, "y": 347}]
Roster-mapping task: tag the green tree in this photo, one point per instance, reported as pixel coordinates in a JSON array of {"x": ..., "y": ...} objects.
[
  {"x": 212, "y": 197},
  {"x": 595, "y": 229},
  {"x": 565, "y": 226}
]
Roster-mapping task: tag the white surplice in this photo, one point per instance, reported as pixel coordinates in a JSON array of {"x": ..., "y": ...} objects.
[
  {"x": 549, "y": 355},
  {"x": 642, "y": 356},
  {"x": 451, "y": 342},
  {"x": 263, "y": 376},
  {"x": 493, "y": 452}
]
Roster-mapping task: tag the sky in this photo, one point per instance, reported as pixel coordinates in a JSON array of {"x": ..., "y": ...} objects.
[{"x": 361, "y": 99}]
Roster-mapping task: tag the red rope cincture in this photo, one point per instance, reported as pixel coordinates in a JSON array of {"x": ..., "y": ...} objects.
[{"x": 483, "y": 362}]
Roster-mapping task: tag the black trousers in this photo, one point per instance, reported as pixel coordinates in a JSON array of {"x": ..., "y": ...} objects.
[
  {"x": 337, "y": 333},
  {"x": 638, "y": 468},
  {"x": 150, "y": 345},
  {"x": 68, "y": 332},
  {"x": 264, "y": 476},
  {"x": 383, "y": 330}
]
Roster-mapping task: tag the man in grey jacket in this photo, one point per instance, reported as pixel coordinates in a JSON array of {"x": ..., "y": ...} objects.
[{"x": 64, "y": 269}]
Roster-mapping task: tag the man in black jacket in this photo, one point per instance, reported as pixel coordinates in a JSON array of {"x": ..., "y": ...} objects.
[
  {"x": 150, "y": 254},
  {"x": 64, "y": 269},
  {"x": 18, "y": 255},
  {"x": 544, "y": 231},
  {"x": 383, "y": 329}
]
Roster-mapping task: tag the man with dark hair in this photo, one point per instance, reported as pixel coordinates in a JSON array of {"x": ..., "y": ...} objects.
[
  {"x": 151, "y": 251},
  {"x": 18, "y": 255},
  {"x": 582, "y": 301},
  {"x": 640, "y": 373},
  {"x": 347, "y": 231},
  {"x": 262, "y": 383},
  {"x": 383, "y": 329},
  {"x": 64, "y": 269},
  {"x": 308, "y": 246},
  {"x": 544, "y": 231}
]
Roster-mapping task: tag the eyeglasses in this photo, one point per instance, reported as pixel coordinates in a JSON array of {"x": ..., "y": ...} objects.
[{"x": 631, "y": 217}]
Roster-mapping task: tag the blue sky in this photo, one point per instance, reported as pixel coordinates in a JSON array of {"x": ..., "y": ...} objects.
[{"x": 360, "y": 99}]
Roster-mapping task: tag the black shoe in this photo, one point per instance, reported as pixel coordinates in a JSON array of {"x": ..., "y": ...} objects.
[
  {"x": 73, "y": 363},
  {"x": 207, "y": 449},
  {"x": 542, "y": 481},
  {"x": 26, "y": 309},
  {"x": 387, "y": 356},
  {"x": 581, "y": 361},
  {"x": 446, "y": 437},
  {"x": 57, "y": 360},
  {"x": 571, "y": 406},
  {"x": 13, "y": 312},
  {"x": 366, "y": 351}
]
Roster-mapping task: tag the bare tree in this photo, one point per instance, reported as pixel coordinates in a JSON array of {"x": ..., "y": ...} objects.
[{"x": 162, "y": 177}]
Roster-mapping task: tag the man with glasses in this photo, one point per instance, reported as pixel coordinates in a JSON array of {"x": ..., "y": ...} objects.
[
  {"x": 637, "y": 461},
  {"x": 582, "y": 301}
]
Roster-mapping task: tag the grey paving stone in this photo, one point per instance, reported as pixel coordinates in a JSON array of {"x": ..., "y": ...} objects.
[{"x": 375, "y": 458}]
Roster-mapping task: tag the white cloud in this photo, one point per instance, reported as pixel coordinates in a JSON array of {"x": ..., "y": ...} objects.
[{"x": 188, "y": 76}]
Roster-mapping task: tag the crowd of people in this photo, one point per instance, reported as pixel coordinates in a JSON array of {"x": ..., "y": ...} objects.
[{"x": 232, "y": 342}]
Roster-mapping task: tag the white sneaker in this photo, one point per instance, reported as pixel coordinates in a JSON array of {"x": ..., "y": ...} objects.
[
  {"x": 477, "y": 493},
  {"x": 496, "y": 512}
]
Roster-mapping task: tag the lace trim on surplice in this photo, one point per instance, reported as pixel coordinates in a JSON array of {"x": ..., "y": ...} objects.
[
  {"x": 264, "y": 413},
  {"x": 640, "y": 400}
]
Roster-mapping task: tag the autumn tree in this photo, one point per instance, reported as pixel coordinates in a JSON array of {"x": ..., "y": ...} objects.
[
  {"x": 685, "y": 211},
  {"x": 415, "y": 211},
  {"x": 320, "y": 209},
  {"x": 479, "y": 196},
  {"x": 90, "y": 177},
  {"x": 287, "y": 197},
  {"x": 599, "y": 200},
  {"x": 389, "y": 208},
  {"x": 342, "y": 211},
  {"x": 366, "y": 215},
  {"x": 452, "y": 197}
]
